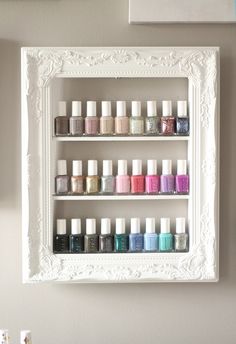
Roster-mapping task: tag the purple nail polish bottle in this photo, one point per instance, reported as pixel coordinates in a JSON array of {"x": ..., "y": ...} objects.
[
  {"x": 182, "y": 179},
  {"x": 167, "y": 178}
]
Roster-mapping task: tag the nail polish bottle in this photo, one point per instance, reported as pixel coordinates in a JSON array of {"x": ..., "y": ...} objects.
[
  {"x": 167, "y": 120},
  {"x": 4, "y": 337},
  {"x": 136, "y": 119},
  {"x": 91, "y": 121},
  {"x": 61, "y": 239},
  {"x": 107, "y": 179},
  {"x": 76, "y": 120},
  {"x": 62, "y": 121},
  {"x": 122, "y": 179},
  {"x": 76, "y": 238},
  {"x": 165, "y": 237},
  {"x": 62, "y": 180},
  {"x": 182, "y": 179},
  {"x": 152, "y": 180},
  {"x": 150, "y": 237},
  {"x": 167, "y": 179},
  {"x": 77, "y": 179},
  {"x": 181, "y": 237},
  {"x": 91, "y": 238},
  {"x": 25, "y": 337},
  {"x": 92, "y": 180},
  {"x": 106, "y": 120},
  {"x": 106, "y": 239},
  {"x": 121, "y": 239},
  {"x": 121, "y": 120},
  {"x": 182, "y": 121},
  {"x": 135, "y": 237},
  {"x": 151, "y": 121},
  {"x": 137, "y": 179}
]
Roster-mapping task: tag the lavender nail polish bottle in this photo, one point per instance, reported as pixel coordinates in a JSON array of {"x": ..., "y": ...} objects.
[
  {"x": 182, "y": 179},
  {"x": 135, "y": 237},
  {"x": 76, "y": 120},
  {"x": 167, "y": 179}
]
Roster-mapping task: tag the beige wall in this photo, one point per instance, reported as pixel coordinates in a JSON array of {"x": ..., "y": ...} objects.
[{"x": 58, "y": 314}]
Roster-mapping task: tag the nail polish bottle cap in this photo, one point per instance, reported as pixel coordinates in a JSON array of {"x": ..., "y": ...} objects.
[
  {"x": 181, "y": 167},
  {"x": 106, "y": 108},
  {"x": 91, "y": 108},
  {"x": 90, "y": 226},
  {"x": 166, "y": 108},
  {"x": 150, "y": 225},
  {"x": 61, "y": 167},
  {"x": 151, "y": 167},
  {"x": 120, "y": 226},
  {"x": 122, "y": 168},
  {"x": 77, "y": 168},
  {"x": 151, "y": 108},
  {"x": 137, "y": 167},
  {"x": 180, "y": 225},
  {"x": 166, "y": 167},
  {"x": 121, "y": 108},
  {"x": 105, "y": 226},
  {"x": 76, "y": 108},
  {"x": 182, "y": 108},
  {"x": 25, "y": 337},
  {"x": 62, "y": 108},
  {"x": 4, "y": 336},
  {"x": 92, "y": 168},
  {"x": 61, "y": 226},
  {"x": 75, "y": 226},
  {"x": 135, "y": 225},
  {"x": 165, "y": 225},
  {"x": 107, "y": 168},
  {"x": 136, "y": 108}
]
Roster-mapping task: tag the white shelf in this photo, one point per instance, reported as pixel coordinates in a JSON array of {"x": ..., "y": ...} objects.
[
  {"x": 119, "y": 138},
  {"x": 119, "y": 197}
]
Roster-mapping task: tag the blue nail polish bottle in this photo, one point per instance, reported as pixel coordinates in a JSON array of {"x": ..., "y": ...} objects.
[
  {"x": 150, "y": 237},
  {"x": 165, "y": 237},
  {"x": 135, "y": 237}
]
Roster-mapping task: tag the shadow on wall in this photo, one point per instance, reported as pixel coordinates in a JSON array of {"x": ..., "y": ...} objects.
[{"x": 10, "y": 145}]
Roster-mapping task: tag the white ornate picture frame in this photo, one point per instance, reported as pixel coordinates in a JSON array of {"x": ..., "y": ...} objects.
[{"x": 39, "y": 67}]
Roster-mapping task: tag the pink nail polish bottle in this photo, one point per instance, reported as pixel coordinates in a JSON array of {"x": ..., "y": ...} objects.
[
  {"x": 182, "y": 179},
  {"x": 122, "y": 179},
  {"x": 137, "y": 179},
  {"x": 152, "y": 180},
  {"x": 91, "y": 121}
]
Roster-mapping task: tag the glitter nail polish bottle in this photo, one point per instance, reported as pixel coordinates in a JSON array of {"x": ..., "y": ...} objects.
[
  {"x": 91, "y": 238},
  {"x": 91, "y": 121},
  {"x": 181, "y": 237},
  {"x": 77, "y": 179},
  {"x": 182, "y": 121},
  {"x": 167, "y": 120},
  {"x": 135, "y": 237},
  {"x": 76, "y": 120},
  {"x": 121, "y": 238},
  {"x": 76, "y": 239},
  {"x": 122, "y": 178},
  {"x": 151, "y": 121},
  {"x": 121, "y": 120},
  {"x": 136, "y": 119},
  {"x": 62, "y": 180},
  {"x": 62, "y": 121},
  {"x": 150, "y": 237},
  {"x": 137, "y": 179},
  {"x": 167, "y": 179},
  {"x": 61, "y": 239},
  {"x": 165, "y": 236},
  {"x": 152, "y": 180},
  {"x": 25, "y": 337},
  {"x": 106, "y": 120},
  {"x": 92, "y": 180},
  {"x": 182, "y": 179},
  {"x": 107, "y": 179},
  {"x": 106, "y": 239}
]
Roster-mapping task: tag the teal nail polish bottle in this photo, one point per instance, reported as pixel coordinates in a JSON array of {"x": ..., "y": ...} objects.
[
  {"x": 121, "y": 239},
  {"x": 165, "y": 237}
]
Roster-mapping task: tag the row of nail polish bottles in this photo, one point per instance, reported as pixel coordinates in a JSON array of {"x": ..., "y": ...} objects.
[
  {"x": 25, "y": 337},
  {"x": 106, "y": 242},
  {"x": 137, "y": 124}
]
